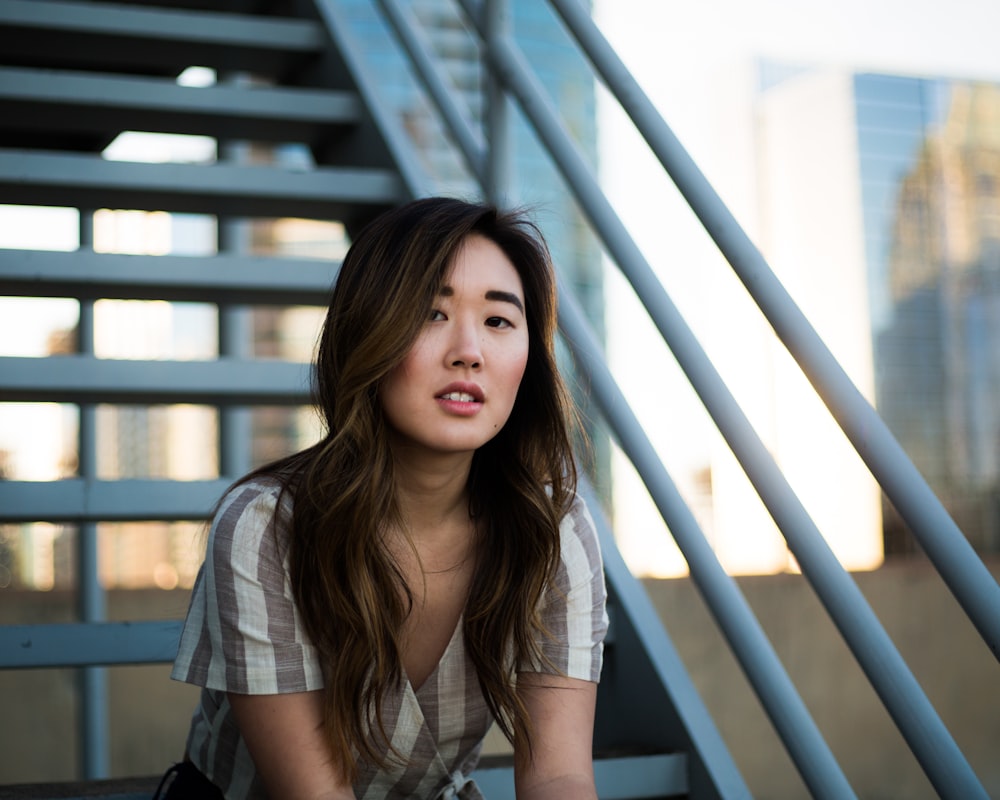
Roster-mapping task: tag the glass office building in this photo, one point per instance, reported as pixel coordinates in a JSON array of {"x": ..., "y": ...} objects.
[
  {"x": 930, "y": 166},
  {"x": 900, "y": 177}
]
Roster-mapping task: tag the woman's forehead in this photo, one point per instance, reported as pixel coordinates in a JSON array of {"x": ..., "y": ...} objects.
[{"x": 481, "y": 268}]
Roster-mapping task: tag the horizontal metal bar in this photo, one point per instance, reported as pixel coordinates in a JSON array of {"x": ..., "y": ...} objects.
[
  {"x": 141, "y": 788},
  {"x": 219, "y": 28},
  {"x": 66, "y": 101},
  {"x": 88, "y": 644},
  {"x": 85, "y": 181},
  {"x": 617, "y": 778},
  {"x": 96, "y": 33},
  {"x": 217, "y": 278},
  {"x": 83, "y": 379},
  {"x": 77, "y": 500},
  {"x": 657, "y": 775}
]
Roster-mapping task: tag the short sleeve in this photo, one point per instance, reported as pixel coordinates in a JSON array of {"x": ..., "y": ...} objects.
[
  {"x": 574, "y": 611},
  {"x": 243, "y": 632}
]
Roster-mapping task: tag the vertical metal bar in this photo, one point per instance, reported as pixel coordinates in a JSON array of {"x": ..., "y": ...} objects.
[
  {"x": 91, "y": 600},
  {"x": 235, "y": 422},
  {"x": 499, "y": 132},
  {"x": 963, "y": 571},
  {"x": 235, "y": 331}
]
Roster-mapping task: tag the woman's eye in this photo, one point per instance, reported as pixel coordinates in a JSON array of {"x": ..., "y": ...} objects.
[
  {"x": 498, "y": 322},
  {"x": 437, "y": 316}
]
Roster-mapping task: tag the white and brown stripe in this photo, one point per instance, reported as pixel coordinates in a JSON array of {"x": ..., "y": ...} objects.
[{"x": 243, "y": 634}]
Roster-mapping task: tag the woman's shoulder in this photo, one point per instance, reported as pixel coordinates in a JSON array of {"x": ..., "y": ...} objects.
[
  {"x": 577, "y": 516},
  {"x": 249, "y": 508},
  {"x": 253, "y": 486},
  {"x": 579, "y": 540}
]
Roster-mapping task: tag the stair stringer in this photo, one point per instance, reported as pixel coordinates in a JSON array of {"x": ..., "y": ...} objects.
[{"x": 646, "y": 701}]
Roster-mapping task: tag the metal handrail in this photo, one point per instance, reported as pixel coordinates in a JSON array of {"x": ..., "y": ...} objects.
[
  {"x": 918, "y": 722},
  {"x": 632, "y": 600},
  {"x": 948, "y": 549},
  {"x": 754, "y": 651}
]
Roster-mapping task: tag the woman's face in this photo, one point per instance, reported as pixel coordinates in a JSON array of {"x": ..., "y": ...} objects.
[{"x": 457, "y": 385}]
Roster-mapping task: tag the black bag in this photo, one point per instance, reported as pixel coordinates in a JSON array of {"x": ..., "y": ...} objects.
[{"x": 184, "y": 781}]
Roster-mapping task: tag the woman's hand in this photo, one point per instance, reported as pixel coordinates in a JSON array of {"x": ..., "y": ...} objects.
[
  {"x": 284, "y": 735},
  {"x": 562, "y": 717}
]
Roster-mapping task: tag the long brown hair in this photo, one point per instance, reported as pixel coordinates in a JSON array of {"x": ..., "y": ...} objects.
[{"x": 348, "y": 589}]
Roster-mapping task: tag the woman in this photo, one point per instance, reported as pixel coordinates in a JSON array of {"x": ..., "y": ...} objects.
[{"x": 369, "y": 606}]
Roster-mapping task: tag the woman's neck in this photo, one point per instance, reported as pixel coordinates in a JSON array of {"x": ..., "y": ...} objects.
[{"x": 432, "y": 494}]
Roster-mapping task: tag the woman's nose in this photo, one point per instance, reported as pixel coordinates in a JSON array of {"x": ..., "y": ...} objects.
[{"x": 465, "y": 347}]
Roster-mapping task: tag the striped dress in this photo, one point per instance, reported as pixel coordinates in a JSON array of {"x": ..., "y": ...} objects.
[{"x": 243, "y": 634}]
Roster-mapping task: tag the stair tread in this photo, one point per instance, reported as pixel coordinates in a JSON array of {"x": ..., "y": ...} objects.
[
  {"x": 104, "y": 91},
  {"x": 81, "y": 378},
  {"x": 77, "y": 499},
  {"x": 628, "y": 778},
  {"x": 89, "y": 181},
  {"x": 72, "y": 110},
  {"x": 223, "y": 277},
  {"x": 99, "y": 34}
]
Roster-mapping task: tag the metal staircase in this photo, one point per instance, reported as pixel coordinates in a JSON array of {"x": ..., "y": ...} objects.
[
  {"x": 77, "y": 74},
  {"x": 74, "y": 74}
]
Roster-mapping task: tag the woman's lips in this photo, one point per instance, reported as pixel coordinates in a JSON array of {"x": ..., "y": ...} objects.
[{"x": 464, "y": 400}]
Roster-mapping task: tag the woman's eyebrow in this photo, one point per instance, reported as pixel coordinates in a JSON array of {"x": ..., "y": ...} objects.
[
  {"x": 505, "y": 297},
  {"x": 491, "y": 294}
]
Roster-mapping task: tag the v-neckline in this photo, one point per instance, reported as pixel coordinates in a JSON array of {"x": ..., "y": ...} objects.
[{"x": 437, "y": 667}]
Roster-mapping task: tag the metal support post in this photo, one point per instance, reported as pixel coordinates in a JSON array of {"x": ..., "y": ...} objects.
[
  {"x": 91, "y": 600},
  {"x": 496, "y": 24}
]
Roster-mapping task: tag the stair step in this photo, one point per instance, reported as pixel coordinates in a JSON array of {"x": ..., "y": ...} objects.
[
  {"x": 108, "y": 36},
  {"x": 87, "y": 181},
  {"x": 68, "y": 102},
  {"x": 652, "y": 777},
  {"x": 74, "y": 644},
  {"x": 218, "y": 278},
  {"x": 84, "y": 379},
  {"x": 79, "y": 500}
]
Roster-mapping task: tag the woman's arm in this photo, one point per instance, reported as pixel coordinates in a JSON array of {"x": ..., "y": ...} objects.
[
  {"x": 284, "y": 735},
  {"x": 562, "y": 716}
]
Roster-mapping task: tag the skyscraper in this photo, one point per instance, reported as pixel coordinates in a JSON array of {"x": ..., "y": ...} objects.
[
  {"x": 939, "y": 352},
  {"x": 899, "y": 177}
]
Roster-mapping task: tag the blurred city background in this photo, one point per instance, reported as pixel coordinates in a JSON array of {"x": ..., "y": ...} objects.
[{"x": 858, "y": 145}]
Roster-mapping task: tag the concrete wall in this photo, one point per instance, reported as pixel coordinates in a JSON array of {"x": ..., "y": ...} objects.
[
  {"x": 149, "y": 713},
  {"x": 946, "y": 655}
]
